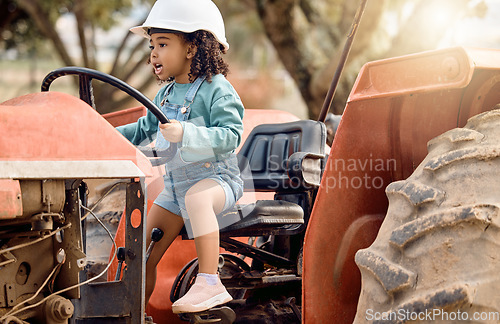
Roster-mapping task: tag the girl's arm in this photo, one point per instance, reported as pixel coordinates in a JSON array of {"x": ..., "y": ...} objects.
[
  {"x": 143, "y": 129},
  {"x": 224, "y": 133}
]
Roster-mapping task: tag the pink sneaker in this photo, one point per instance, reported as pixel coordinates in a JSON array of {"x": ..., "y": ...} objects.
[{"x": 202, "y": 296}]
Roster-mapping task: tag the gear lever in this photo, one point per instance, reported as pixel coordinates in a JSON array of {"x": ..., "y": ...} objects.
[{"x": 156, "y": 235}]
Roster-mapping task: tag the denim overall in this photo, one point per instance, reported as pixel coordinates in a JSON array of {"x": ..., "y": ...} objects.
[{"x": 181, "y": 175}]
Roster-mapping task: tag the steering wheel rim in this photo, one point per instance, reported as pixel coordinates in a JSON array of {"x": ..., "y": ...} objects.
[{"x": 85, "y": 76}]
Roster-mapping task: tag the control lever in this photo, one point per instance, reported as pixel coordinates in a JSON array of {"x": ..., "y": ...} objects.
[
  {"x": 120, "y": 255},
  {"x": 156, "y": 235}
]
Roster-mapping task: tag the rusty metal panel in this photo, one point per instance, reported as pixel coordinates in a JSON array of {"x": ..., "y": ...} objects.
[
  {"x": 120, "y": 301},
  {"x": 126, "y": 116},
  {"x": 10, "y": 199}
]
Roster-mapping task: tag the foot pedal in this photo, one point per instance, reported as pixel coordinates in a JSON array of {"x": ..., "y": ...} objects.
[{"x": 221, "y": 315}]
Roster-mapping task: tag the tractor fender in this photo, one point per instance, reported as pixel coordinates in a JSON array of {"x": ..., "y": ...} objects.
[{"x": 395, "y": 107}]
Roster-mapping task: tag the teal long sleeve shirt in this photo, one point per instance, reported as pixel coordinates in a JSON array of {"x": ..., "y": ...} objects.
[{"x": 214, "y": 127}]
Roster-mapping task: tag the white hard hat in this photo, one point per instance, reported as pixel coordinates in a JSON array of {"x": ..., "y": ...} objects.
[{"x": 185, "y": 16}]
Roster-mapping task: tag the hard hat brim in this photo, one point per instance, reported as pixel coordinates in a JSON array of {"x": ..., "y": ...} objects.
[{"x": 143, "y": 31}]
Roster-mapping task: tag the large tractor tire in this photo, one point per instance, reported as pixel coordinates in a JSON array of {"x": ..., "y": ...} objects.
[{"x": 436, "y": 258}]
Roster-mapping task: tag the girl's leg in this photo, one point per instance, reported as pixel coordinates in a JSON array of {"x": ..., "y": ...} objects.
[
  {"x": 171, "y": 224},
  {"x": 203, "y": 201}
]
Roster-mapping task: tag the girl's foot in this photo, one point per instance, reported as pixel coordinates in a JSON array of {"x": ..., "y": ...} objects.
[{"x": 202, "y": 296}]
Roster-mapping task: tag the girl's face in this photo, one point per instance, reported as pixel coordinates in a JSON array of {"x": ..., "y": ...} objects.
[{"x": 171, "y": 56}]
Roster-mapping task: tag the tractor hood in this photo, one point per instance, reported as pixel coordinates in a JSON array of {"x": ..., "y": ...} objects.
[{"x": 51, "y": 135}]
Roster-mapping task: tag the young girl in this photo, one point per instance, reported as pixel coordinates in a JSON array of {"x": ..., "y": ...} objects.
[{"x": 187, "y": 41}]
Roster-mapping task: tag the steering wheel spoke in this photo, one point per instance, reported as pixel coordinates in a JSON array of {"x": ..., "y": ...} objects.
[{"x": 86, "y": 89}]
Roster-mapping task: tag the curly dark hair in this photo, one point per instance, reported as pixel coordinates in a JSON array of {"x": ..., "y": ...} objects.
[{"x": 208, "y": 58}]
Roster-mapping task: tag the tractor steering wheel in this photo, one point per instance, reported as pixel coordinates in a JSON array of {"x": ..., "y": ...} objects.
[{"x": 85, "y": 77}]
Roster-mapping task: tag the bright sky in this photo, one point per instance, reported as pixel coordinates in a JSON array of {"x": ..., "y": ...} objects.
[{"x": 474, "y": 31}]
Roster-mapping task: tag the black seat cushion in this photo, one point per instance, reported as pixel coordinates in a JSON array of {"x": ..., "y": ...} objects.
[
  {"x": 263, "y": 217},
  {"x": 259, "y": 218},
  {"x": 262, "y": 214}
]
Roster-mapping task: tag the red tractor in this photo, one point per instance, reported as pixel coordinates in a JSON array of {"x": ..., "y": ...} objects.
[{"x": 292, "y": 255}]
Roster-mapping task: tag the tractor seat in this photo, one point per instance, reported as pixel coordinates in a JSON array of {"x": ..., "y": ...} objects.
[{"x": 287, "y": 159}]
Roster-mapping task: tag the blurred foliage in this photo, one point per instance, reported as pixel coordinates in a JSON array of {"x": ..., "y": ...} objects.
[
  {"x": 16, "y": 27},
  {"x": 309, "y": 37},
  {"x": 103, "y": 14},
  {"x": 304, "y": 37},
  {"x": 29, "y": 26}
]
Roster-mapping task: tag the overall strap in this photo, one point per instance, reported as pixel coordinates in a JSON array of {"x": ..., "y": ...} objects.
[
  {"x": 188, "y": 100},
  {"x": 169, "y": 87},
  {"x": 167, "y": 91},
  {"x": 193, "y": 89}
]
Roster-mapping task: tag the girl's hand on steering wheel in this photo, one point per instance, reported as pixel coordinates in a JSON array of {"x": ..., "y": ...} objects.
[{"x": 172, "y": 131}]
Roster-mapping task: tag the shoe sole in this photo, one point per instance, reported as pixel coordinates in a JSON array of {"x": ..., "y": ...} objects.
[{"x": 209, "y": 303}]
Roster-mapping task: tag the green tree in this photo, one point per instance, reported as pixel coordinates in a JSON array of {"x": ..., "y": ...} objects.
[{"x": 16, "y": 27}]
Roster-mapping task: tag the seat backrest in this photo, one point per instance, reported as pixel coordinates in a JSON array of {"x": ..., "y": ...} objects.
[{"x": 268, "y": 147}]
